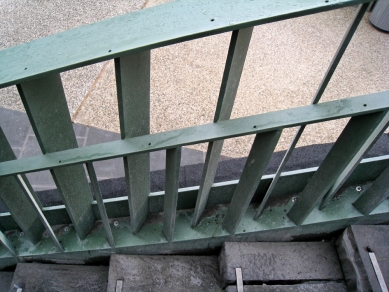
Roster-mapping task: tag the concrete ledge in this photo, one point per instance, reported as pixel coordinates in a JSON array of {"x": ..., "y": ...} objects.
[
  {"x": 164, "y": 273},
  {"x": 43, "y": 277},
  {"x": 306, "y": 287},
  {"x": 356, "y": 264},
  {"x": 280, "y": 261}
]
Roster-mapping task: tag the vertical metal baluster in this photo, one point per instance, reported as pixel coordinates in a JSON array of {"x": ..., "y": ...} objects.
[
  {"x": 133, "y": 89},
  {"x": 236, "y": 57},
  {"x": 383, "y": 125},
  {"x": 14, "y": 197},
  {"x": 45, "y": 103},
  {"x": 100, "y": 203},
  {"x": 351, "y": 141},
  {"x": 8, "y": 245},
  {"x": 327, "y": 77},
  {"x": 256, "y": 163},
  {"x": 38, "y": 210},
  {"x": 173, "y": 159},
  {"x": 374, "y": 195}
]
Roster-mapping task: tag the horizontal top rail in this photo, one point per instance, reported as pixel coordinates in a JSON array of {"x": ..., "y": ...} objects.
[
  {"x": 198, "y": 134},
  {"x": 147, "y": 29}
]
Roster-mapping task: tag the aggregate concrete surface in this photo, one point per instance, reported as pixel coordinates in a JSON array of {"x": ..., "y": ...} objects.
[
  {"x": 280, "y": 261},
  {"x": 307, "y": 287},
  {"x": 285, "y": 64},
  {"x": 50, "y": 278},
  {"x": 164, "y": 273},
  {"x": 356, "y": 263}
]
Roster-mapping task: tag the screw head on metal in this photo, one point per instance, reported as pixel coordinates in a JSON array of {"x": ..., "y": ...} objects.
[
  {"x": 21, "y": 234},
  {"x": 66, "y": 229},
  {"x": 294, "y": 199},
  {"x": 116, "y": 223},
  {"x": 358, "y": 188}
]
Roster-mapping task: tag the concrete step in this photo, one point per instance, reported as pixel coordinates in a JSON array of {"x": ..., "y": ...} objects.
[
  {"x": 353, "y": 248},
  {"x": 306, "y": 287},
  {"x": 164, "y": 273},
  {"x": 280, "y": 261},
  {"x": 5, "y": 280},
  {"x": 46, "y": 277}
]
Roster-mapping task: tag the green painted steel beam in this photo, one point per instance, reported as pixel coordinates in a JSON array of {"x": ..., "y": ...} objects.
[
  {"x": 323, "y": 85},
  {"x": 240, "y": 40},
  {"x": 15, "y": 198},
  {"x": 210, "y": 132},
  {"x": 46, "y": 107},
  {"x": 100, "y": 203},
  {"x": 370, "y": 141},
  {"x": 133, "y": 90},
  {"x": 350, "y": 143},
  {"x": 255, "y": 166},
  {"x": 374, "y": 195},
  {"x": 209, "y": 234},
  {"x": 290, "y": 182},
  {"x": 173, "y": 159},
  {"x": 144, "y": 30}
]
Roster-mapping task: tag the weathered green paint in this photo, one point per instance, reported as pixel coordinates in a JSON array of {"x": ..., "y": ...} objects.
[
  {"x": 280, "y": 168},
  {"x": 45, "y": 104},
  {"x": 273, "y": 225},
  {"x": 353, "y": 163},
  {"x": 147, "y": 29},
  {"x": 204, "y": 133},
  {"x": 133, "y": 89},
  {"x": 100, "y": 203},
  {"x": 340, "y": 51},
  {"x": 255, "y": 166},
  {"x": 240, "y": 40},
  {"x": 323, "y": 85},
  {"x": 42, "y": 217},
  {"x": 7, "y": 244},
  {"x": 173, "y": 159},
  {"x": 374, "y": 195},
  {"x": 351, "y": 141},
  {"x": 14, "y": 198}
]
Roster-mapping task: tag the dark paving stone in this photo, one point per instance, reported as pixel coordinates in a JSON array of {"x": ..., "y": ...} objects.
[
  {"x": 96, "y": 136},
  {"x": 164, "y": 273},
  {"x": 80, "y": 130},
  {"x": 280, "y": 261},
  {"x": 31, "y": 148},
  {"x": 356, "y": 264},
  {"x": 112, "y": 168},
  {"x": 306, "y": 287},
  {"x": 15, "y": 125},
  {"x": 43, "y": 277},
  {"x": 43, "y": 179},
  {"x": 5, "y": 280}
]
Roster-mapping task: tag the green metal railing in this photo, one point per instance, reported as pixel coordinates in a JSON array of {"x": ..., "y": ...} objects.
[{"x": 208, "y": 214}]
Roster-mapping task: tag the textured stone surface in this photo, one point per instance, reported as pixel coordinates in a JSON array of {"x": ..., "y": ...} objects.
[
  {"x": 285, "y": 64},
  {"x": 306, "y": 287},
  {"x": 356, "y": 264},
  {"x": 164, "y": 273},
  {"x": 45, "y": 278},
  {"x": 280, "y": 261},
  {"x": 5, "y": 280}
]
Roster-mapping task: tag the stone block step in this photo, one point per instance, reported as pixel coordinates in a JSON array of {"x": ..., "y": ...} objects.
[
  {"x": 164, "y": 273},
  {"x": 353, "y": 249},
  {"x": 306, "y": 287},
  {"x": 5, "y": 280},
  {"x": 280, "y": 261},
  {"x": 46, "y": 277}
]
